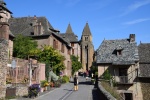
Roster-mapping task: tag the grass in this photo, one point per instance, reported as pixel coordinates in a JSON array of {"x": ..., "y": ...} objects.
[{"x": 111, "y": 90}]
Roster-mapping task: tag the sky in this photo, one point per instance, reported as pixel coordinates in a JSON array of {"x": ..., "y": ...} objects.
[{"x": 107, "y": 19}]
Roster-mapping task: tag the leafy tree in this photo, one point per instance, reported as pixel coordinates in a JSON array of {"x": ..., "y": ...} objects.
[
  {"x": 76, "y": 65},
  {"x": 107, "y": 75},
  {"x": 51, "y": 57},
  {"x": 94, "y": 68},
  {"x": 22, "y": 46}
]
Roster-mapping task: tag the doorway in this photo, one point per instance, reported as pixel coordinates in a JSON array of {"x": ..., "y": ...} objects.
[{"x": 128, "y": 96}]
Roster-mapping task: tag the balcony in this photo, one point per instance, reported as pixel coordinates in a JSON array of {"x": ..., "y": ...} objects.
[{"x": 124, "y": 80}]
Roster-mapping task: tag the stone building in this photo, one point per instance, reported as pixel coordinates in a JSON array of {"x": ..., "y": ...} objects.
[
  {"x": 73, "y": 39},
  {"x": 144, "y": 69},
  {"x": 87, "y": 48},
  {"x": 42, "y": 31},
  {"x": 120, "y": 57}
]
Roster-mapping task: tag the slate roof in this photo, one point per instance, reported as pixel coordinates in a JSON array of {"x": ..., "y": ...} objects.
[
  {"x": 69, "y": 29},
  {"x": 106, "y": 53},
  {"x": 144, "y": 52},
  {"x": 144, "y": 59},
  {"x": 23, "y": 25},
  {"x": 69, "y": 35}
]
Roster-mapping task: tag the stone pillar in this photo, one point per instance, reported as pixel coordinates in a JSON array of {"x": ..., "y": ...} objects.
[{"x": 4, "y": 33}]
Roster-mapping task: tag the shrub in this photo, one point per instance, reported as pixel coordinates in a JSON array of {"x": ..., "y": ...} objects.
[
  {"x": 65, "y": 79},
  {"x": 107, "y": 75}
]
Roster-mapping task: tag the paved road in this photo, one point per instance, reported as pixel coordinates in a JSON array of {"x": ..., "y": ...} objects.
[{"x": 65, "y": 92}]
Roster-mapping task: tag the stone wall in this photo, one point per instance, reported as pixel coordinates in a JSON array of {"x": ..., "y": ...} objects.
[
  {"x": 104, "y": 94},
  {"x": 21, "y": 91},
  {"x": 4, "y": 33},
  {"x": 3, "y": 66}
]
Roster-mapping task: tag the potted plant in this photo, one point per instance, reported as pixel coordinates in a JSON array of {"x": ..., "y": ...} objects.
[{"x": 33, "y": 90}]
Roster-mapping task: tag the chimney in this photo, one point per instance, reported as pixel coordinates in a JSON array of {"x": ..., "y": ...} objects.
[
  {"x": 132, "y": 37},
  {"x": 4, "y": 30}
]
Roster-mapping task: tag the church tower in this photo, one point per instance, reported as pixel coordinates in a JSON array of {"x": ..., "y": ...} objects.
[{"x": 87, "y": 48}]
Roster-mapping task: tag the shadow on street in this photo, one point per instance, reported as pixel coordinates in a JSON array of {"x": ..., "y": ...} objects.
[
  {"x": 85, "y": 83},
  {"x": 97, "y": 95}
]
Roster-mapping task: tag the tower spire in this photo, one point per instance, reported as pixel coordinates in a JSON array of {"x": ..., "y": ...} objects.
[
  {"x": 86, "y": 30},
  {"x": 69, "y": 29}
]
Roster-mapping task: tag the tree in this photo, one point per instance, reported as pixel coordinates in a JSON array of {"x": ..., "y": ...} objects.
[
  {"x": 22, "y": 46},
  {"x": 76, "y": 65},
  {"x": 51, "y": 57}
]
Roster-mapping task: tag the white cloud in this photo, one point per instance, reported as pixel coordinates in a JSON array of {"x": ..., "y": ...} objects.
[
  {"x": 136, "y": 21},
  {"x": 135, "y": 6}
]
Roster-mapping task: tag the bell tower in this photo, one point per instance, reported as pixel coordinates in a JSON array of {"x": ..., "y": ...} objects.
[{"x": 87, "y": 48}]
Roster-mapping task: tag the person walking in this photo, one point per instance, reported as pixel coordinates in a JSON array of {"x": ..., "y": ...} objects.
[{"x": 75, "y": 83}]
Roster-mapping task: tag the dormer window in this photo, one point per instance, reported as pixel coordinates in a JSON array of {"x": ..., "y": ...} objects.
[
  {"x": 32, "y": 33},
  {"x": 119, "y": 50}
]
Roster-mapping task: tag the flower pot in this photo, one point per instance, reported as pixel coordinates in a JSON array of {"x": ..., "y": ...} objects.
[{"x": 45, "y": 88}]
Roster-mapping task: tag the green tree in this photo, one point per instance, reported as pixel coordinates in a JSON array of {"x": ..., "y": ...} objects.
[
  {"x": 22, "y": 46},
  {"x": 76, "y": 65},
  {"x": 51, "y": 57}
]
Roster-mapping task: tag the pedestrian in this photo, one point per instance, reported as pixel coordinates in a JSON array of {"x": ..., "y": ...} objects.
[{"x": 75, "y": 83}]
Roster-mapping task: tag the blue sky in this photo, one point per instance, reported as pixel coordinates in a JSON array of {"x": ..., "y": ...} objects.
[{"x": 108, "y": 19}]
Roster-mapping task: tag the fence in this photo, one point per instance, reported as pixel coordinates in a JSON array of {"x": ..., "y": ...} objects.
[{"x": 21, "y": 74}]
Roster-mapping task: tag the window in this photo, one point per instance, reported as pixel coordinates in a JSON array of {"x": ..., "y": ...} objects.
[
  {"x": 119, "y": 52},
  {"x": 72, "y": 44},
  {"x": 54, "y": 44},
  {"x": 32, "y": 33},
  {"x": 86, "y": 38},
  {"x": 123, "y": 71},
  {"x": 69, "y": 51},
  {"x": 62, "y": 48},
  {"x": 72, "y": 51}
]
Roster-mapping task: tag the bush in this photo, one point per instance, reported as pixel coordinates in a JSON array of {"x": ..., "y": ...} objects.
[
  {"x": 65, "y": 79},
  {"x": 107, "y": 75}
]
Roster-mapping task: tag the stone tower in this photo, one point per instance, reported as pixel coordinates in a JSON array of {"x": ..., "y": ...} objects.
[
  {"x": 87, "y": 48},
  {"x": 4, "y": 41}
]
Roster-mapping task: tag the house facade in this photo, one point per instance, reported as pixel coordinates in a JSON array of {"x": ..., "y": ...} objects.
[{"x": 120, "y": 57}]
